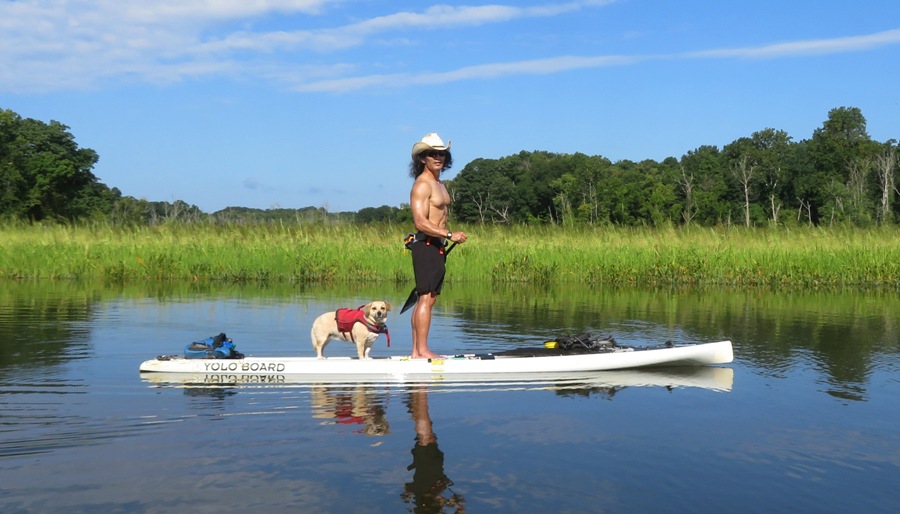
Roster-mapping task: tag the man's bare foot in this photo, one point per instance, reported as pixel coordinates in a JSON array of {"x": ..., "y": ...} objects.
[{"x": 425, "y": 355}]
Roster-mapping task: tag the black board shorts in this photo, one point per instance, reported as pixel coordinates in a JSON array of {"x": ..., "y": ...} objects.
[{"x": 429, "y": 267}]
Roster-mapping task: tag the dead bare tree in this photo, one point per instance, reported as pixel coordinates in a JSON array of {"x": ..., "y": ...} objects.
[
  {"x": 837, "y": 191},
  {"x": 857, "y": 188},
  {"x": 885, "y": 166},
  {"x": 687, "y": 185},
  {"x": 743, "y": 171},
  {"x": 481, "y": 203},
  {"x": 502, "y": 212},
  {"x": 566, "y": 214},
  {"x": 593, "y": 201},
  {"x": 804, "y": 205},
  {"x": 772, "y": 196},
  {"x": 770, "y": 180}
]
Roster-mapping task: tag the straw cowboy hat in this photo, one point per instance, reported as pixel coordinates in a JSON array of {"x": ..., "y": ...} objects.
[{"x": 431, "y": 141}]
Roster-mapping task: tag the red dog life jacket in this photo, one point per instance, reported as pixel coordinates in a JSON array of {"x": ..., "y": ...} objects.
[{"x": 346, "y": 318}]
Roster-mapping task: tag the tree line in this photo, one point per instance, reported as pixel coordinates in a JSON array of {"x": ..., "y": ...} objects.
[{"x": 837, "y": 176}]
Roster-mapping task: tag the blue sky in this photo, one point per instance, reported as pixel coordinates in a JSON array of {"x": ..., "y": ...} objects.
[{"x": 296, "y": 103}]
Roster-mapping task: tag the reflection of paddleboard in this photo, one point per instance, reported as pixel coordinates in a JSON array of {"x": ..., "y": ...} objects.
[
  {"x": 398, "y": 368},
  {"x": 707, "y": 377}
]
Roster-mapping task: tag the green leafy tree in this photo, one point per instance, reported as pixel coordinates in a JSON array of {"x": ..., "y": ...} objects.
[
  {"x": 247, "y": 215},
  {"x": 44, "y": 174},
  {"x": 711, "y": 185},
  {"x": 838, "y": 154},
  {"x": 13, "y": 181},
  {"x": 744, "y": 159},
  {"x": 579, "y": 189},
  {"x": 473, "y": 190},
  {"x": 615, "y": 206},
  {"x": 772, "y": 154},
  {"x": 129, "y": 211},
  {"x": 659, "y": 206},
  {"x": 507, "y": 190},
  {"x": 631, "y": 188},
  {"x": 534, "y": 194},
  {"x": 383, "y": 214}
]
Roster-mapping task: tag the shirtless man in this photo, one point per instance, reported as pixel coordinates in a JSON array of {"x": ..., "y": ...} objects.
[{"x": 429, "y": 202}]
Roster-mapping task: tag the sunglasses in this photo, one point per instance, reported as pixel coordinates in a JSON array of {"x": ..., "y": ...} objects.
[{"x": 434, "y": 154}]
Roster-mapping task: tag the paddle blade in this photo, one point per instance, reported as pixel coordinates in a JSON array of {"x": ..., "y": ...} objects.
[{"x": 413, "y": 298}]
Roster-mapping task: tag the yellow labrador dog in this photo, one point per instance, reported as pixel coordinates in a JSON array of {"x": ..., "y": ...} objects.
[{"x": 359, "y": 326}]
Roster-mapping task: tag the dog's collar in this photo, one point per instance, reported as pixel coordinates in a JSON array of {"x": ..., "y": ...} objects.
[{"x": 378, "y": 329}]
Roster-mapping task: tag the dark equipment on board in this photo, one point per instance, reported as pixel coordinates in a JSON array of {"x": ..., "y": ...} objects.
[{"x": 213, "y": 347}]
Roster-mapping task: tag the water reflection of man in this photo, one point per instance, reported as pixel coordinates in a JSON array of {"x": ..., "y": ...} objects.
[{"x": 429, "y": 481}]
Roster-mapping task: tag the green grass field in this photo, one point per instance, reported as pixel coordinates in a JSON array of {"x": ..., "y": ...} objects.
[{"x": 311, "y": 254}]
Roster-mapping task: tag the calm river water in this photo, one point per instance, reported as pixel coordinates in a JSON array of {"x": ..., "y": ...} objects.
[{"x": 805, "y": 420}]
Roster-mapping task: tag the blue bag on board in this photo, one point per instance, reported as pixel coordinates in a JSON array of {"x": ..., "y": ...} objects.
[{"x": 214, "y": 347}]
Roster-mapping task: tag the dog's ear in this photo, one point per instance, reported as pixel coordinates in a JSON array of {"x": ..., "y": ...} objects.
[
  {"x": 389, "y": 308},
  {"x": 367, "y": 307}
]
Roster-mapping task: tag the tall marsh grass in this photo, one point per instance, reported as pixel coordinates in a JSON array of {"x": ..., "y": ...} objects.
[{"x": 310, "y": 254}]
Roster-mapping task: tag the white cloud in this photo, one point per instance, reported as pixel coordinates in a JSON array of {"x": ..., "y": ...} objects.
[
  {"x": 61, "y": 44},
  {"x": 166, "y": 11},
  {"x": 65, "y": 44},
  {"x": 356, "y": 34},
  {"x": 811, "y": 47},
  {"x": 568, "y": 63},
  {"x": 481, "y": 71}
]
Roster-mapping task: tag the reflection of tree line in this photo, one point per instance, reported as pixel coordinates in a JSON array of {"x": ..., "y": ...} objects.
[
  {"x": 36, "y": 317},
  {"x": 39, "y": 329},
  {"x": 842, "y": 330}
]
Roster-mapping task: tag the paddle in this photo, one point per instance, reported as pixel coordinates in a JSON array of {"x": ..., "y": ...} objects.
[{"x": 414, "y": 295}]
